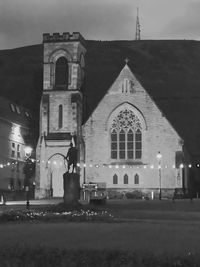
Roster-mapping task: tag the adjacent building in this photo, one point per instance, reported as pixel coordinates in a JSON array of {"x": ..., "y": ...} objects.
[{"x": 14, "y": 130}]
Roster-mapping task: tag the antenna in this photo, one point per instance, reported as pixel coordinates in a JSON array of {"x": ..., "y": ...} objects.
[{"x": 137, "y": 33}]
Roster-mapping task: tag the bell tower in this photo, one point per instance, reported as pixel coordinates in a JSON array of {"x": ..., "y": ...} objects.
[{"x": 60, "y": 109}]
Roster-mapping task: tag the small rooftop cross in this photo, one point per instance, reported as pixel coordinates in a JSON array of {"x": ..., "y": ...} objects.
[{"x": 126, "y": 60}]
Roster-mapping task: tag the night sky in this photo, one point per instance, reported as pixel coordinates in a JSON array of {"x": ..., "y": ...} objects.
[{"x": 22, "y": 22}]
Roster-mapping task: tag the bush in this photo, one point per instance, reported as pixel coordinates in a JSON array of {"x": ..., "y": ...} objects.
[
  {"x": 134, "y": 194},
  {"x": 48, "y": 215},
  {"x": 51, "y": 257}
]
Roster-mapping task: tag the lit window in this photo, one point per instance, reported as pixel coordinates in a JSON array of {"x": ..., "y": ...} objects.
[
  {"x": 12, "y": 107},
  {"x": 125, "y": 179},
  {"x": 18, "y": 110},
  {"x": 27, "y": 114},
  {"x": 115, "y": 179},
  {"x": 13, "y": 150},
  {"x": 136, "y": 179},
  {"x": 126, "y": 136},
  {"x": 18, "y": 151}
]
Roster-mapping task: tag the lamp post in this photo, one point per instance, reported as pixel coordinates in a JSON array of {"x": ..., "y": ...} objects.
[
  {"x": 28, "y": 151},
  {"x": 159, "y": 157}
]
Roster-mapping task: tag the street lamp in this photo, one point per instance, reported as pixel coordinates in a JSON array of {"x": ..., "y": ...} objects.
[
  {"x": 28, "y": 151},
  {"x": 159, "y": 157}
]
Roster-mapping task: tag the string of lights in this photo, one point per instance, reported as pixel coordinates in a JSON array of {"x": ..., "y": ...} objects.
[{"x": 110, "y": 166}]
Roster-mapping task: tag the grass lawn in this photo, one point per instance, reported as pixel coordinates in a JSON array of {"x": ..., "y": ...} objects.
[
  {"x": 156, "y": 237},
  {"x": 155, "y": 226}
]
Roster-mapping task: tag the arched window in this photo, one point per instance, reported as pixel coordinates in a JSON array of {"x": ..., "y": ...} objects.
[
  {"x": 60, "y": 116},
  {"x": 61, "y": 72},
  {"x": 138, "y": 144},
  {"x": 125, "y": 179},
  {"x": 136, "y": 179},
  {"x": 114, "y": 144},
  {"x": 126, "y": 136},
  {"x": 115, "y": 179},
  {"x": 122, "y": 144}
]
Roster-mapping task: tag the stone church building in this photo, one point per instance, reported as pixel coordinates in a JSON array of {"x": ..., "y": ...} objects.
[{"x": 125, "y": 143}]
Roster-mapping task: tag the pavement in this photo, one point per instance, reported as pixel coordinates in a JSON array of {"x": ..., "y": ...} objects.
[{"x": 35, "y": 202}]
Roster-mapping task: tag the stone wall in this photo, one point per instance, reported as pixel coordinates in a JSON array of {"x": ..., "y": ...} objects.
[{"x": 157, "y": 134}]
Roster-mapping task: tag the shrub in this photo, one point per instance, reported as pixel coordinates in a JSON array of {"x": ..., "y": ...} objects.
[
  {"x": 48, "y": 215},
  {"x": 134, "y": 194}
]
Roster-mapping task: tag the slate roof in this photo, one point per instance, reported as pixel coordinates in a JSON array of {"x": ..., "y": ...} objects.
[
  {"x": 13, "y": 113},
  {"x": 168, "y": 70}
]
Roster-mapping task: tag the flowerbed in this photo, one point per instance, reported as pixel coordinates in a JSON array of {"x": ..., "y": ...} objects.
[
  {"x": 51, "y": 215},
  {"x": 51, "y": 257}
]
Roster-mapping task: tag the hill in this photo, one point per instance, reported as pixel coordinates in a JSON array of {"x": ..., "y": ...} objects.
[{"x": 168, "y": 70}]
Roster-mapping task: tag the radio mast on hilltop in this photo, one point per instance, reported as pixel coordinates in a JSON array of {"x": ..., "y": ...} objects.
[{"x": 138, "y": 30}]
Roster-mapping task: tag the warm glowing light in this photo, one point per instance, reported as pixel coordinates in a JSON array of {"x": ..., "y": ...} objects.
[
  {"x": 181, "y": 166},
  {"x": 1, "y": 165},
  {"x": 84, "y": 165},
  {"x": 90, "y": 165},
  {"x": 173, "y": 166},
  {"x": 123, "y": 166},
  {"x": 198, "y": 165},
  {"x": 152, "y": 167},
  {"x": 28, "y": 151},
  {"x": 78, "y": 164},
  {"x": 110, "y": 166},
  {"x": 117, "y": 166},
  {"x": 159, "y": 156},
  {"x": 8, "y": 164},
  {"x": 190, "y": 165},
  {"x": 145, "y": 166}
]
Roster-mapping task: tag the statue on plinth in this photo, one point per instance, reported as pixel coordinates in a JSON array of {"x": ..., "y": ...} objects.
[
  {"x": 71, "y": 158},
  {"x": 71, "y": 179}
]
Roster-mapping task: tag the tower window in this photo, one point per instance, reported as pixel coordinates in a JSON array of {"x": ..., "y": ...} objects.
[
  {"x": 61, "y": 72},
  {"x": 60, "y": 116}
]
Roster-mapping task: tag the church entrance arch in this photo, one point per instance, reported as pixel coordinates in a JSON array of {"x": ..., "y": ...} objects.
[{"x": 56, "y": 169}]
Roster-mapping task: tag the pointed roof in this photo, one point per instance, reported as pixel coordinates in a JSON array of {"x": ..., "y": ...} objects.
[{"x": 168, "y": 71}]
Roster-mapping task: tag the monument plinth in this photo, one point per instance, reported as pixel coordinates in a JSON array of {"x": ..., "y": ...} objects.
[{"x": 71, "y": 184}]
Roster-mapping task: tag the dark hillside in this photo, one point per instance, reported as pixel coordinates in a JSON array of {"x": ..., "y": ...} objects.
[{"x": 168, "y": 70}]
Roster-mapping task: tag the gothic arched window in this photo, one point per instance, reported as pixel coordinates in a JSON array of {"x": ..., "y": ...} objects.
[
  {"x": 125, "y": 179},
  {"x": 136, "y": 179},
  {"x": 60, "y": 116},
  {"x": 61, "y": 71},
  {"x": 115, "y": 179},
  {"x": 126, "y": 136}
]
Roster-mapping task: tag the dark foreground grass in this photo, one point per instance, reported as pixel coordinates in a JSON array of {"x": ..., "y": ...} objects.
[{"x": 51, "y": 257}]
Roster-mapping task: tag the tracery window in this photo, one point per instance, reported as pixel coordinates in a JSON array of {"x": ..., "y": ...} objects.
[
  {"x": 61, "y": 72},
  {"x": 126, "y": 136}
]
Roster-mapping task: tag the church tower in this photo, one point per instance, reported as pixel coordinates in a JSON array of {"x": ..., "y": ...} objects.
[{"x": 60, "y": 110}]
